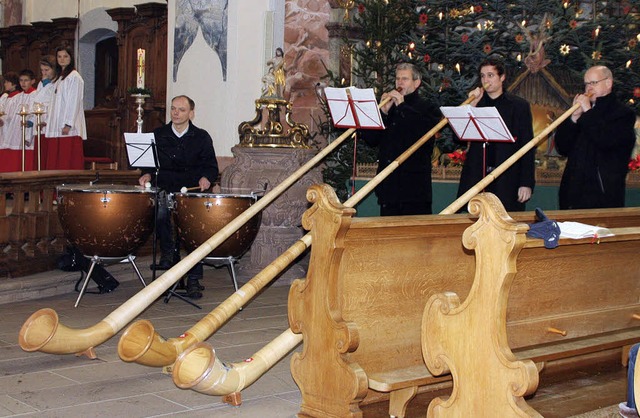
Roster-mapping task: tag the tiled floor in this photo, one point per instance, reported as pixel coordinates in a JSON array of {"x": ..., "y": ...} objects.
[{"x": 49, "y": 385}]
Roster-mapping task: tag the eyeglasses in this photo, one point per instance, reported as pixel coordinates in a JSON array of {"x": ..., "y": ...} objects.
[{"x": 593, "y": 83}]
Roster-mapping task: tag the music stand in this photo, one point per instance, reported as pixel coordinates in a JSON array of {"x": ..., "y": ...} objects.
[
  {"x": 478, "y": 124},
  {"x": 142, "y": 153}
]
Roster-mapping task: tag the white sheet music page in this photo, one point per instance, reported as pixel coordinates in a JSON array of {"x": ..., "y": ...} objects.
[
  {"x": 477, "y": 123},
  {"x": 139, "y": 150},
  {"x": 367, "y": 115},
  {"x": 366, "y": 107}
]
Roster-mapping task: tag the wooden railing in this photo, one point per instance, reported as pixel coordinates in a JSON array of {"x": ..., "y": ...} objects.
[{"x": 31, "y": 237}]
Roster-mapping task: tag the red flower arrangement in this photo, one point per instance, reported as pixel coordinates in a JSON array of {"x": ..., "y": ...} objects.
[
  {"x": 634, "y": 163},
  {"x": 457, "y": 157}
]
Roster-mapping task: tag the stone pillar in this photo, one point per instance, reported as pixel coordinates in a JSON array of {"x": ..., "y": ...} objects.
[{"x": 281, "y": 220}]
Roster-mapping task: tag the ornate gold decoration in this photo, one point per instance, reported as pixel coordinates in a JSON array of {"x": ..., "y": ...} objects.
[
  {"x": 347, "y": 5},
  {"x": 271, "y": 133}
]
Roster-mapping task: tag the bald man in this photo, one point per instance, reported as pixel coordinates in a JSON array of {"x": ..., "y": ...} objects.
[{"x": 597, "y": 140}]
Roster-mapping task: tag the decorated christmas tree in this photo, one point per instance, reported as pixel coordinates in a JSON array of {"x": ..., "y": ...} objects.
[{"x": 448, "y": 39}]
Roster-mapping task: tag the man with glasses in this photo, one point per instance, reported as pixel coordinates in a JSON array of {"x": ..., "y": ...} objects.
[{"x": 597, "y": 140}]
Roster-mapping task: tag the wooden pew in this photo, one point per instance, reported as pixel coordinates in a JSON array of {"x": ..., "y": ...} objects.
[
  {"x": 578, "y": 298},
  {"x": 360, "y": 307}
]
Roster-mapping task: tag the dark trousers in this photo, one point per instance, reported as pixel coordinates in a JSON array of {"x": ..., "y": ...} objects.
[
  {"x": 169, "y": 246},
  {"x": 405, "y": 208}
]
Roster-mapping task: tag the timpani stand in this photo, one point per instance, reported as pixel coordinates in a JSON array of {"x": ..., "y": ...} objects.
[
  {"x": 96, "y": 259},
  {"x": 107, "y": 223}
]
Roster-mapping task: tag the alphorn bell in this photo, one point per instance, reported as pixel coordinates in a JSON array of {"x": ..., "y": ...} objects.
[
  {"x": 195, "y": 357},
  {"x": 40, "y": 332}
]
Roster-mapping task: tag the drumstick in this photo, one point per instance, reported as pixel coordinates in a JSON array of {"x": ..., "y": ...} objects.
[{"x": 186, "y": 189}]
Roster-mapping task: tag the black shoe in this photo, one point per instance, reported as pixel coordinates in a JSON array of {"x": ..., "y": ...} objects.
[
  {"x": 164, "y": 264},
  {"x": 193, "y": 289}
]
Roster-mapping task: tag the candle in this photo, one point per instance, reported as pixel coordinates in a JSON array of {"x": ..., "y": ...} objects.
[{"x": 140, "y": 72}]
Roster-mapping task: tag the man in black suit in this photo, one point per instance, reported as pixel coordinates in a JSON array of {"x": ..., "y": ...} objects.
[{"x": 598, "y": 140}]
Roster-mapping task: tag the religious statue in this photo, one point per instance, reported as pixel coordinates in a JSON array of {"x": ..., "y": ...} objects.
[
  {"x": 273, "y": 125},
  {"x": 273, "y": 83},
  {"x": 536, "y": 60}
]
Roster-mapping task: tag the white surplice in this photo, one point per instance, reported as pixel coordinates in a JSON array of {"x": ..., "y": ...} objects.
[{"x": 66, "y": 108}]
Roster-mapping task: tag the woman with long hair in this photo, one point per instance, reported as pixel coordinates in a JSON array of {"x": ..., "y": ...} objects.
[
  {"x": 66, "y": 128},
  {"x": 44, "y": 96}
]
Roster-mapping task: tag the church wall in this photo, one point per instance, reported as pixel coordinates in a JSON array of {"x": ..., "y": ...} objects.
[
  {"x": 221, "y": 105},
  {"x": 41, "y": 10}
]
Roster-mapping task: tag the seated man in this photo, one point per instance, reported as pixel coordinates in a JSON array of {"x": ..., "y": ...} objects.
[{"x": 187, "y": 159}]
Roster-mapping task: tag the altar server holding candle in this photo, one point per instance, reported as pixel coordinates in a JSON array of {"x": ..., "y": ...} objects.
[{"x": 66, "y": 128}]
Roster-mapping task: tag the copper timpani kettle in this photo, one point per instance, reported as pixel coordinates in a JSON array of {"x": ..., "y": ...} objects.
[
  {"x": 106, "y": 220},
  {"x": 199, "y": 216}
]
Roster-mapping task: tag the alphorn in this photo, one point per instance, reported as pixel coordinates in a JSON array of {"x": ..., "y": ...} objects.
[
  {"x": 140, "y": 342},
  {"x": 199, "y": 369},
  {"x": 218, "y": 378},
  {"x": 42, "y": 331},
  {"x": 489, "y": 178}
]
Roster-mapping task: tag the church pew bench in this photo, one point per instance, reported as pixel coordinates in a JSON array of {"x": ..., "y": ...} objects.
[
  {"x": 360, "y": 307},
  {"x": 579, "y": 298}
]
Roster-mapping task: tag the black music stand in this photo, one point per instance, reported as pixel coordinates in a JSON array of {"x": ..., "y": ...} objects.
[
  {"x": 478, "y": 124},
  {"x": 142, "y": 153}
]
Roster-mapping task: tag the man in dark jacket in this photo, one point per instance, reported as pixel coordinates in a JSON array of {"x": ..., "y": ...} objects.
[
  {"x": 407, "y": 117},
  {"x": 598, "y": 140},
  {"x": 187, "y": 159},
  {"x": 515, "y": 186}
]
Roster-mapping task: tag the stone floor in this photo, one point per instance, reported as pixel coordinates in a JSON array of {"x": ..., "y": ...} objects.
[{"x": 49, "y": 385}]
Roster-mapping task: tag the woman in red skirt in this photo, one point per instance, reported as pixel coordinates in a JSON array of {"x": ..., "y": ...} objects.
[{"x": 66, "y": 128}]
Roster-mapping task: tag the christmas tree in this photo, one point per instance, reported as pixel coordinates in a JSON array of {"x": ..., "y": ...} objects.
[{"x": 448, "y": 39}]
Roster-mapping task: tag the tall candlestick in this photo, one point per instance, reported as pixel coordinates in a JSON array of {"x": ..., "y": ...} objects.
[{"x": 140, "y": 72}]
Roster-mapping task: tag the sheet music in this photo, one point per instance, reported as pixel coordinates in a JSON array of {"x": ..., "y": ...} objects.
[
  {"x": 367, "y": 115},
  {"x": 140, "y": 150},
  {"x": 488, "y": 125}
]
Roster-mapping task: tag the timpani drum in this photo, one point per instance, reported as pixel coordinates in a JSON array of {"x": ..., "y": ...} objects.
[
  {"x": 199, "y": 216},
  {"x": 106, "y": 220}
]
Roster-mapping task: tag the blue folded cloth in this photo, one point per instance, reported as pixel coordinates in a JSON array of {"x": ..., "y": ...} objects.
[{"x": 545, "y": 229}]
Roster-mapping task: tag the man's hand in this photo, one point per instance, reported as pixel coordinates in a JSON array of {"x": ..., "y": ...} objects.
[
  {"x": 396, "y": 99},
  {"x": 477, "y": 93},
  {"x": 524, "y": 194},
  {"x": 585, "y": 105},
  {"x": 204, "y": 183},
  {"x": 144, "y": 179},
  {"x": 66, "y": 130}
]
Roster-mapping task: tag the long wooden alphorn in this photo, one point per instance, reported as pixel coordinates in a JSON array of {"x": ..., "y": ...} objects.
[
  {"x": 489, "y": 178},
  {"x": 199, "y": 369},
  {"x": 42, "y": 331}
]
